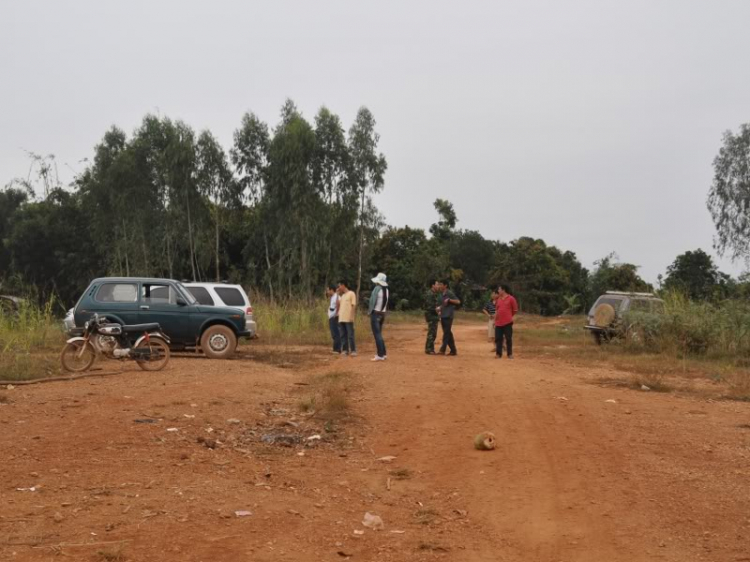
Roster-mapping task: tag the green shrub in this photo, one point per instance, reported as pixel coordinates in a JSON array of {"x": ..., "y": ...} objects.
[{"x": 693, "y": 328}]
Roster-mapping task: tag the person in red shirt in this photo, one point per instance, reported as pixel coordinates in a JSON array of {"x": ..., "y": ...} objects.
[{"x": 506, "y": 308}]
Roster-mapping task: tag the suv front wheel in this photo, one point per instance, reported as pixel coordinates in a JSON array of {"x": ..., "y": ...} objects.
[{"x": 218, "y": 342}]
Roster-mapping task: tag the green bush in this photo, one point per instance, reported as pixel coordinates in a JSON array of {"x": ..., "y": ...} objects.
[{"x": 693, "y": 328}]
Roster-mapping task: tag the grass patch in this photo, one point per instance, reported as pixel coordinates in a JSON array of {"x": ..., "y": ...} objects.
[
  {"x": 401, "y": 474},
  {"x": 30, "y": 340},
  {"x": 328, "y": 397},
  {"x": 298, "y": 322},
  {"x": 426, "y": 515}
]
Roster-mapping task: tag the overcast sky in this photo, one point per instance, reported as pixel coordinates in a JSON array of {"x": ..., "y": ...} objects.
[{"x": 590, "y": 124}]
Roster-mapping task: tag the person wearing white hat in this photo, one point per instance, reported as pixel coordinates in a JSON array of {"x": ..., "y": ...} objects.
[{"x": 377, "y": 309}]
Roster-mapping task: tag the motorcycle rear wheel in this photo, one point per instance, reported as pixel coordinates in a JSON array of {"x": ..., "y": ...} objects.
[
  {"x": 159, "y": 355},
  {"x": 76, "y": 360}
]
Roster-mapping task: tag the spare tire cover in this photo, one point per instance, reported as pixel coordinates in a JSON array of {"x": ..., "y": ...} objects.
[{"x": 604, "y": 315}]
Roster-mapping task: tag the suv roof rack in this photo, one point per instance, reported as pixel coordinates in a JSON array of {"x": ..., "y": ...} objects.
[{"x": 631, "y": 294}]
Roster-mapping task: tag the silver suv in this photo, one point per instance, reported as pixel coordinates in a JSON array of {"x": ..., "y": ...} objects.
[
  {"x": 606, "y": 317},
  {"x": 222, "y": 294}
]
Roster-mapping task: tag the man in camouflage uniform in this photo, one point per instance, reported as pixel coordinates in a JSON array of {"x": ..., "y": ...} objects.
[{"x": 431, "y": 302}]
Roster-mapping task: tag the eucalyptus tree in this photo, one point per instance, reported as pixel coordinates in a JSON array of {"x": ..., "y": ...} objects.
[
  {"x": 293, "y": 201},
  {"x": 729, "y": 197},
  {"x": 330, "y": 174},
  {"x": 249, "y": 155},
  {"x": 367, "y": 170},
  {"x": 215, "y": 182}
]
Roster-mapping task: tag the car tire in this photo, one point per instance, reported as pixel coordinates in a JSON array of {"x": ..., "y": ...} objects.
[{"x": 218, "y": 342}]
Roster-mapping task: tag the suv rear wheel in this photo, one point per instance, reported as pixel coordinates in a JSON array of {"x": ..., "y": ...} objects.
[{"x": 218, "y": 342}]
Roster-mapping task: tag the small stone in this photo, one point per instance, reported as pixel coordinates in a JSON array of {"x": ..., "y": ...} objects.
[
  {"x": 374, "y": 522},
  {"x": 58, "y": 517},
  {"x": 234, "y": 421}
]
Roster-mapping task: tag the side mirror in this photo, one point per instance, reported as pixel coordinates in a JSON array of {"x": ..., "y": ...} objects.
[{"x": 181, "y": 301}]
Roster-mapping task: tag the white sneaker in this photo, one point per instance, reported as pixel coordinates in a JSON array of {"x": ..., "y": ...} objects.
[
  {"x": 378, "y": 358},
  {"x": 353, "y": 354}
]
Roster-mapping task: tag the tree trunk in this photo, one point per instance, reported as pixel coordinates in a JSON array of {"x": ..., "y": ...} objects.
[
  {"x": 361, "y": 242},
  {"x": 304, "y": 277},
  {"x": 190, "y": 234},
  {"x": 169, "y": 255},
  {"x": 218, "y": 275},
  {"x": 125, "y": 238},
  {"x": 146, "y": 267},
  {"x": 268, "y": 265}
]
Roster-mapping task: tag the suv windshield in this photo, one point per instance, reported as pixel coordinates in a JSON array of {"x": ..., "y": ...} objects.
[
  {"x": 613, "y": 302},
  {"x": 187, "y": 295}
]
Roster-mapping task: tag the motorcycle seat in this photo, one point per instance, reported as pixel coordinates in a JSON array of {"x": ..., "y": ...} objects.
[{"x": 151, "y": 327}]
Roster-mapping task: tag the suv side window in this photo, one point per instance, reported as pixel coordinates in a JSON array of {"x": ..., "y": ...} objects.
[
  {"x": 117, "y": 292},
  {"x": 202, "y": 295},
  {"x": 640, "y": 305},
  {"x": 158, "y": 294},
  {"x": 230, "y": 296},
  {"x": 614, "y": 303}
]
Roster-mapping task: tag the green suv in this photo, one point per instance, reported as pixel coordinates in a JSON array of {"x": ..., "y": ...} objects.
[{"x": 138, "y": 300}]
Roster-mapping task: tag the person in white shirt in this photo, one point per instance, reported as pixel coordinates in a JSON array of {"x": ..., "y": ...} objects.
[{"x": 333, "y": 317}]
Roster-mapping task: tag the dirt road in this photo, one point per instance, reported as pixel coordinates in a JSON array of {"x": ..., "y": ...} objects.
[{"x": 145, "y": 467}]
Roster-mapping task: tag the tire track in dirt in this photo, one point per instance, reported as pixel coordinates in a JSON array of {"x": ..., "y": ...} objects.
[{"x": 561, "y": 485}]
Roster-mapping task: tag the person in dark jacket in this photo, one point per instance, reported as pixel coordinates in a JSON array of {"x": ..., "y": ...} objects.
[
  {"x": 377, "y": 308},
  {"x": 431, "y": 302},
  {"x": 447, "y": 309}
]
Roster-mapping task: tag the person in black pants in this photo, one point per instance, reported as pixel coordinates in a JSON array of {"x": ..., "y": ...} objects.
[
  {"x": 333, "y": 318},
  {"x": 506, "y": 308},
  {"x": 447, "y": 310}
]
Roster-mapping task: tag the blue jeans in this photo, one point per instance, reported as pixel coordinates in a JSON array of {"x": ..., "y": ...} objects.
[
  {"x": 376, "y": 321},
  {"x": 346, "y": 329},
  {"x": 333, "y": 325}
]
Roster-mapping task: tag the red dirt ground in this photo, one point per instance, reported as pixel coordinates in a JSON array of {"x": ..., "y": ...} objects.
[{"x": 575, "y": 477}]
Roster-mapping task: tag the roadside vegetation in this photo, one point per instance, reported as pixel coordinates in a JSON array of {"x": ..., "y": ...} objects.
[
  {"x": 690, "y": 344},
  {"x": 30, "y": 340}
]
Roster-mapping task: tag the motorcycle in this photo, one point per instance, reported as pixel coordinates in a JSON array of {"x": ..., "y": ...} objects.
[{"x": 146, "y": 344}]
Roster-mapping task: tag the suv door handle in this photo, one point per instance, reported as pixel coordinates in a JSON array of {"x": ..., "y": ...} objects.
[{"x": 144, "y": 307}]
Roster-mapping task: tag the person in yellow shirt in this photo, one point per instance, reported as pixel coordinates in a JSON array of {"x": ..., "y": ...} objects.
[{"x": 347, "y": 312}]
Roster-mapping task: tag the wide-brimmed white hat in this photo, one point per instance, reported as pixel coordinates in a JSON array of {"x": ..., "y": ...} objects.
[{"x": 380, "y": 279}]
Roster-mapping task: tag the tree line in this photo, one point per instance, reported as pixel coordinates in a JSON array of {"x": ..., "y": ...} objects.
[{"x": 284, "y": 211}]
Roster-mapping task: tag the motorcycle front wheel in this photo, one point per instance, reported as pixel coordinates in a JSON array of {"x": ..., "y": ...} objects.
[
  {"x": 158, "y": 355},
  {"x": 77, "y": 356}
]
